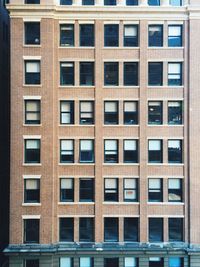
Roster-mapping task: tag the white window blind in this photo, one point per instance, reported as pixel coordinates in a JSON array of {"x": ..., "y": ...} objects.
[
  {"x": 155, "y": 259},
  {"x": 65, "y": 262},
  {"x": 129, "y": 183},
  {"x": 32, "y": 184},
  {"x": 130, "y": 145},
  {"x": 111, "y": 144},
  {"x": 32, "y": 105},
  {"x": 174, "y": 144},
  {"x": 175, "y": 262},
  {"x": 66, "y": 27},
  {"x": 174, "y": 68},
  {"x": 67, "y": 65},
  {"x": 66, "y": 183},
  {"x": 32, "y": 144},
  {"x": 174, "y": 104},
  {"x": 154, "y": 103},
  {"x": 65, "y": 106},
  {"x": 174, "y": 30},
  {"x": 32, "y": 67},
  {"x": 130, "y": 262},
  {"x": 67, "y": 145},
  {"x": 85, "y": 262},
  {"x": 110, "y": 183},
  {"x": 110, "y": 106},
  {"x": 86, "y": 107},
  {"x": 154, "y": 183},
  {"x": 154, "y": 145},
  {"x": 130, "y": 31},
  {"x": 174, "y": 183},
  {"x": 130, "y": 106},
  {"x": 86, "y": 145}
]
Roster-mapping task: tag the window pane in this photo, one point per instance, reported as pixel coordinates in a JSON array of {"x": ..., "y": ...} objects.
[
  {"x": 86, "y": 190},
  {"x": 111, "y": 112},
  {"x": 175, "y": 112},
  {"x": 174, "y": 74},
  {"x": 175, "y": 229},
  {"x": 111, "y": 229},
  {"x": 66, "y": 229},
  {"x": 87, "y": 73},
  {"x": 155, "y": 190},
  {"x": 176, "y": 2},
  {"x": 87, "y": 112},
  {"x": 111, "y": 73},
  {"x": 110, "y": 2},
  {"x": 32, "y": 151},
  {"x": 31, "y": 263},
  {"x": 155, "y": 112},
  {"x": 66, "y": 2},
  {"x": 130, "y": 35},
  {"x": 131, "y": 229},
  {"x": 130, "y": 262},
  {"x": 174, "y": 35},
  {"x": 86, "y": 151},
  {"x": 156, "y": 35},
  {"x": 155, "y": 229},
  {"x": 86, "y": 229},
  {"x": 65, "y": 262},
  {"x": 32, "y": 72},
  {"x": 111, "y": 35},
  {"x": 132, "y": 2},
  {"x": 86, "y": 35},
  {"x": 174, "y": 151},
  {"x": 130, "y": 113},
  {"x": 175, "y": 262},
  {"x": 32, "y": 33},
  {"x": 88, "y": 2},
  {"x": 156, "y": 262},
  {"x": 154, "y": 2},
  {"x": 67, "y": 73},
  {"x": 131, "y": 73},
  {"x": 67, "y": 35},
  {"x": 31, "y": 230},
  {"x": 155, "y": 73},
  {"x": 111, "y": 262},
  {"x": 155, "y": 151}
]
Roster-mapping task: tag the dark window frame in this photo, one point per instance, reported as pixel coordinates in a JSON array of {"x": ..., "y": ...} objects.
[
  {"x": 156, "y": 234},
  {"x": 34, "y": 229},
  {"x": 64, "y": 76},
  {"x": 174, "y": 230},
  {"x": 91, "y": 190},
  {"x": 68, "y": 191},
  {"x": 134, "y": 74},
  {"x": 86, "y": 229},
  {"x": 177, "y": 36},
  {"x": 32, "y": 78},
  {"x": 135, "y": 189},
  {"x": 92, "y": 152},
  {"x": 111, "y": 37},
  {"x": 175, "y": 81},
  {"x": 66, "y": 228},
  {"x": 70, "y": 112},
  {"x": 131, "y": 41},
  {"x": 67, "y": 150},
  {"x": 36, "y": 112},
  {"x": 134, "y": 114},
  {"x": 178, "y": 154},
  {"x": 155, "y": 194},
  {"x": 33, "y": 193},
  {"x": 109, "y": 75},
  {"x": 88, "y": 121},
  {"x": 155, "y": 41},
  {"x": 155, "y": 116},
  {"x": 36, "y": 40},
  {"x": 111, "y": 194},
  {"x": 83, "y": 76},
  {"x": 114, "y": 115},
  {"x": 36, "y": 151},
  {"x": 159, "y": 157},
  {"x": 177, "y": 192},
  {"x": 134, "y": 154},
  {"x": 135, "y": 228},
  {"x": 86, "y": 36},
  {"x": 110, "y": 228},
  {"x": 116, "y": 152},
  {"x": 68, "y": 41},
  {"x": 176, "y": 116}
]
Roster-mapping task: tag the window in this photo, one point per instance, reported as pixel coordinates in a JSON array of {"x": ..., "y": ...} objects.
[
  {"x": 32, "y": 2},
  {"x": 66, "y": 73},
  {"x": 87, "y": 73},
  {"x": 87, "y": 112},
  {"x": 86, "y": 35},
  {"x": 111, "y": 113},
  {"x": 131, "y": 231},
  {"x": 175, "y": 229},
  {"x": 86, "y": 229},
  {"x": 66, "y": 35},
  {"x": 132, "y": 2},
  {"x": 156, "y": 262},
  {"x": 32, "y": 33},
  {"x": 130, "y": 35},
  {"x": 111, "y": 35},
  {"x": 32, "y": 72},
  {"x": 87, "y": 151},
  {"x": 66, "y": 2},
  {"x": 156, "y": 35},
  {"x": 66, "y": 262},
  {"x": 32, "y": 151},
  {"x": 86, "y": 262},
  {"x": 174, "y": 190},
  {"x": 155, "y": 151},
  {"x": 66, "y": 190},
  {"x": 31, "y": 191},
  {"x": 130, "y": 262},
  {"x": 31, "y": 263},
  {"x": 66, "y": 151},
  {"x": 130, "y": 151},
  {"x": 32, "y": 111},
  {"x": 155, "y": 73},
  {"x": 86, "y": 190},
  {"x": 176, "y": 262},
  {"x": 130, "y": 73},
  {"x": 174, "y": 74},
  {"x": 130, "y": 112},
  {"x": 174, "y": 35},
  {"x": 87, "y": 2},
  {"x": 175, "y": 112},
  {"x": 176, "y": 2},
  {"x": 66, "y": 112},
  {"x": 31, "y": 230},
  {"x": 111, "y": 189},
  {"x": 130, "y": 190},
  {"x": 155, "y": 190},
  {"x": 66, "y": 230},
  {"x": 111, "y": 73},
  {"x": 110, "y": 2},
  {"x": 155, "y": 112},
  {"x": 155, "y": 230},
  {"x": 111, "y": 262},
  {"x": 154, "y": 2},
  {"x": 111, "y": 226},
  {"x": 175, "y": 151},
  {"x": 111, "y": 151}
]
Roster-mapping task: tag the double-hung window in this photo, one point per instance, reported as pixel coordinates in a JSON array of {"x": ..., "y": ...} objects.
[
  {"x": 86, "y": 73},
  {"x": 131, "y": 227},
  {"x": 32, "y": 151},
  {"x": 66, "y": 230},
  {"x": 66, "y": 190},
  {"x": 32, "y": 72},
  {"x": 66, "y": 151},
  {"x": 155, "y": 190},
  {"x": 130, "y": 190},
  {"x": 111, "y": 73},
  {"x": 155, "y": 151},
  {"x": 111, "y": 113},
  {"x": 111, "y": 35},
  {"x": 155, "y": 229},
  {"x": 87, "y": 112},
  {"x": 111, "y": 229},
  {"x": 111, "y": 151},
  {"x": 130, "y": 73},
  {"x": 86, "y": 229},
  {"x": 155, "y": 74},
  {"x": 155, "y": 35},
  {"x": 155, "y": 112},
  {"x": 86, "y": 34},
  {"x": 175, "y": 35},
  {"x": 175, "y": 226},
  {"x": 174, "y": 190},
  {"x": 175, "y": 74},
  {"x": 130, "y": 35},
  {"x": 86, "y": 187},
  {"x": 67, "y": 73},
  {"x": 31, "y": 190},
  {"x": 86, "y": 151},
  {"x": 66, "y": 35},
  {"x": 175, "y": 151},
  {"x": 111, "y": 189},
  {"x": 32, "y": 33},
  {"x": 31, "y": 230},
  {"x": 66, "y": 112},
  {"x": 130, "y": 151},
  {"x": 130, "y": 112},
  {"x": 32, "y": 111},
  {"x": 175, "y": 112}
]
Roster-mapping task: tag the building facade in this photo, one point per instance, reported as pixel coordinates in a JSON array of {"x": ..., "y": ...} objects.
[
  {"x": 4, "y": 133},
  {"x": 105, "y": 133}
]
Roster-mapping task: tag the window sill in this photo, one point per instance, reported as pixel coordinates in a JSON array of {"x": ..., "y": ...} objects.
[
  {"x": 76, "y": 86},
  {"x": 76, "y": 125},
  {"x": 121, "y": 164},
  {"x": 165, "y": 164},
  {"x": 32, "y": 85},
  {"x": 32, "y": 46},
  {"x": 121, "y": 86},
  {"x": 165, "y": 47},
  {"x": 31, "y": 204},
  {"x": 120, "y": 203},
  {"x": 165, "y": 125},
  {"x": 165, "y": 86},
  {"x": 75, "y": 203},
  {"x": 76, "y": 164},
  {"x": 166, "y": 203},
  {"x": 77, "y": 47},
  {"x": 31, "y": 164},
  {"x": 121, "y": 125},
  {"x": 35, "y": 125}
]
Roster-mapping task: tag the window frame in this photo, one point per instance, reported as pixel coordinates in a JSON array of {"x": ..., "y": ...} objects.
[
  {"x": 135, "y": 152},
  {"x": 72, "y": 42},
  {"x": 153, "y": 190},
  {"x": 131, "y": 41},
  {"x": 62, "y": 199},
  {"x": 116, "y": 151},
  {"x": 155, "y": 113},
  {"x": 84, "y": 75},
  {"x": 152, "y": 41},
  {"x": 111, "y": 194},
  {"x": 36, "y": 228},
  {"x": 91, "y": 190},
  {"x": 135, "y": 74},
  {"x": 178, "y": 36},
  {"x": 150, "y": 73},
  {"x": 160, "y": 152},
  {"x": 92, "y": 151},
  {"x": 71, "y": 228},
  {"x": 37, "y": 198},
  {"x": 135, "y": 189},
  {"x": 71, "y": 73},
  {"x": 176, "y": 191},
  {"x": 115, "y": 239},
  {"x": 70, "y": 112},
  {"x": 26, "y": 31},
  {"x": 84, "y": 36},
  {"x": 36, "y": 112},
  {"x": 115, "y": 121},
  {"x": 87, "y": 229},
  {"x": 68, "y": 150},
  {"x": 36, "y": 150},
  {"x": 37, "y": 79},
  {"x": 109, "y": 73},
  {"x": 92, "y": 119}
]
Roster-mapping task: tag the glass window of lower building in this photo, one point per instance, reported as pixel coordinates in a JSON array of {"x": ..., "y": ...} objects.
[
  {"x": 31, "y": 190},
  {"x": 66, "y": 151},
  {"x": 111, "y": 262},
  {"x": 32, "y": 151},
  {"x": 131, "y": 229},
  {"x": 131, "y": 262},
  {"x": 130, "y": 112},
  {"x": 130, "y": 73},
  {"x": 37, "y": 2},
  {"x": 86, "y": 262},
  {"x": 154, "y": 2},
  {"x": 155, "y": 76},
  {"x": 110, "y": 2},
  {"x": 155, "y": 230},
  {"x": 66, "y": 35},
  {"x": 31, "y": 263},
  {"x": 155, "y": 112},
  {"x": 130, "y": 189},
  {"x": 86, "y": 34},
  {"x": 66, "y": 232},
  {"x": 86, "y": 151},
  {"x": 175, "y": 229},
  {"x": 67, "y": 73},
  {"x": 32, "y": 111},
  {"x": 175, "y": 112},
  {"x": 176, "y": 262},
  {"x": 86, "y": 187},
  {"x": 31, "y": 230},
  {"x": 175, "y": 151},
  {"x": 66, "y": 112},
  {"x": 175, "y": 35},
  {"x": 111, "y": 73},
  {"x": 176, "y": 2},
  {"x": 66, "y": 2},
  {"x": 111, "y": 35},
  {"x": 132, "y": 2},
  {"x": 86, "y": 112},
  {"x": 110, "y": 189},
  {"x": 130, "y": 151},
  {"x": 175, "y": 190},
  {"x": 32, "y": 33},
  {"x": 156, "y": 262},
  {"x": 87, "y": 73},
  {"x": 155, "y": 151},
  {"x": 88, "y": 2},
  {"x": 66, "y": 190},
  {"x": 111, "y": 112},
  {"x": 174, "y": 74},
  {"x": 155, "y": 35},
  {"x": 86, "y": 229},
  {"x": 130, "y": 35},
  {"x": 155, "y": 190},
  {"x": 111, "y": 230},
  {"x": 111, "y": 151},
  {"x": 66, "y": 262},
  {"x": 32, "y": 72}
]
